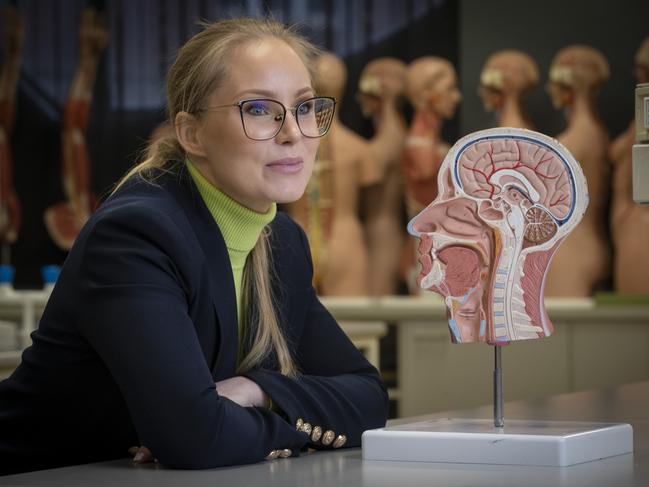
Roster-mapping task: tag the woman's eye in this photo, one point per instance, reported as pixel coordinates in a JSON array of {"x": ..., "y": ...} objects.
[
  {"x": 305, "y": 107},
  {"x": 257, "y": 109}
]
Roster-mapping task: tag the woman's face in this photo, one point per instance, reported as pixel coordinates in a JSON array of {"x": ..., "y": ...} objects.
[{"x": 257, "y": 173}]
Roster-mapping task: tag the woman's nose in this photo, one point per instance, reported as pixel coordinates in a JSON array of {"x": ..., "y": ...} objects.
[{"x": 290, "y": 131}]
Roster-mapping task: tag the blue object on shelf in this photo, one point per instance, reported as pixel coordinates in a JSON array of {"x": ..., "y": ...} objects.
[
  {"x": 7, "y": 273},
  {"x": 50, "y": 273}
]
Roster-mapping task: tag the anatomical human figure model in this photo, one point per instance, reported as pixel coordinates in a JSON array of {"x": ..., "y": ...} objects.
[
  {"x": 380, "y": 92},
  {"x": 506, "y": 79},
  {"x": 629, "y": 221},
  {"x": 507, "y": 199},
  {"x": 64, "y": 220},
  {"x": 432, "y": 91},
  {"x": 9, "y": 205},
  {"x": 328, "y": 211},
  {"x": 583, "y": 262}
]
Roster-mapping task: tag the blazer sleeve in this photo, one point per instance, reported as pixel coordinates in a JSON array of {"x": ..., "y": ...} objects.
[
  {"x": 338, "y": 394},
  {"x": 133, "y": 309}
]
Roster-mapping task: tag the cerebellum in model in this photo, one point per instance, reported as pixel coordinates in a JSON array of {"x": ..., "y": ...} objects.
[{"x": 507, "y": 199}]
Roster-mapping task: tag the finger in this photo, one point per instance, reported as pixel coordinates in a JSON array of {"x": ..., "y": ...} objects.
[{"x": 133, "y": 450}]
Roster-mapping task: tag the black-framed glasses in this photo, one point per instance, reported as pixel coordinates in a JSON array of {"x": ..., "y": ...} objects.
[{"x": 263, "y": 118}]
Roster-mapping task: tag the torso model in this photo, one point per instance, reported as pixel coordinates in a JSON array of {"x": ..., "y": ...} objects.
[
  {"x": 507, "y": 199},
  {"x": 433, "y": 92},
  {"x": 629, "y": 221},
  {"x": 506, "y": 79},
  {"x": 380, "y": 91},
  {"x": 64, "y": 220},
  {"x": 328, "y": 211},
  {"x": 583, "y": 262},
  {"x": 9, "y": 205}
]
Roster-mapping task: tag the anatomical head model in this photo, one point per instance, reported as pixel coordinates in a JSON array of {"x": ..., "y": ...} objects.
[
  {"x": 432, "y": 85},
  {"x": 507, "y": 199},
  {"x": 576, "y": 70},
  {"x": 507, "y": 77},
  {"x": 381, "y": 79}
]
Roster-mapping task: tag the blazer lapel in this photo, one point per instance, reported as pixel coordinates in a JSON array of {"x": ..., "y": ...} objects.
[{"x": 219, "y": 267}]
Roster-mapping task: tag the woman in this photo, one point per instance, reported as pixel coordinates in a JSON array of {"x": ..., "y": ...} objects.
[{"x": 184, "y": 318}]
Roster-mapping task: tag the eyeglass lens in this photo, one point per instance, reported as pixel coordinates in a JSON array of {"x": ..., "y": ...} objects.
[{"x": 263, "y": 119}]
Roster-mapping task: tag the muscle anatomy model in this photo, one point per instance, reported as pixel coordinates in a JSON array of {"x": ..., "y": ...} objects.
[
  {"x": 9, "y": 205},
  {"x": 432, "y": 91},
  {"x": 64, "y": 220}
]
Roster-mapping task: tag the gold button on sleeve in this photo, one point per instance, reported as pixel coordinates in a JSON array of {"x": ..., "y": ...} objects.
[
  {"x": 340, "y": 441},
  {"x": 299, "y": 423},
  {"x": 306, "y": 427},
  {"x": 272, "y": 455},
  {"x": 328, "y": 437},
  {"x": 285, "y": 453},
  {"x": 316, "y": 434}
]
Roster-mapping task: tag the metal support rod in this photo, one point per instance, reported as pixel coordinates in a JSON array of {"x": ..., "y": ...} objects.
[{"x": 499, "y": 417}]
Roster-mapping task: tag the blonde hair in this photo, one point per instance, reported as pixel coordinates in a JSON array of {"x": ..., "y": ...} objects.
[{"x": 201, "y": 65}]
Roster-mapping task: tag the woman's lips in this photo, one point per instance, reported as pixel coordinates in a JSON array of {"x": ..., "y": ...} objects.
[{"x": 288, "y": 165}]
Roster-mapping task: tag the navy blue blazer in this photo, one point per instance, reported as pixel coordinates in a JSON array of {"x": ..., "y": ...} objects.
[{"x": 143, "y": 322}]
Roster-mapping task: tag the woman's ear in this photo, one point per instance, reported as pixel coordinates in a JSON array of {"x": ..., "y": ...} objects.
[{"x": 187, "y": 126}]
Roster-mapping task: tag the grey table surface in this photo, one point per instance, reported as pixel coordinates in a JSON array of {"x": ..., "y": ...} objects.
[{"x": 628, "y": 403}]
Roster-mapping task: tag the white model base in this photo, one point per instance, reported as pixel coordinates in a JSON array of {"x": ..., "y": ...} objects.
[{"x": 448, "y": 440}]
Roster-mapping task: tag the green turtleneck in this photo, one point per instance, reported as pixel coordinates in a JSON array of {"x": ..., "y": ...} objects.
[{"x": 239, "y": 225}]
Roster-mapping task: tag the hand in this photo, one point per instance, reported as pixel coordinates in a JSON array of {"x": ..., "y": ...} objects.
[
  {"x": 243, "y": 391},
  {"x": 141, "y": 454}
]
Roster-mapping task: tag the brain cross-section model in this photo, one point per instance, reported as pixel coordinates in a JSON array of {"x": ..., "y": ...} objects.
[{"x": 507, "y": 199}]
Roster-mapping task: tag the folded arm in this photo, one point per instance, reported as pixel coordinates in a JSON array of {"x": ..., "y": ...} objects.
[{"x": 337, "y": 391}]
